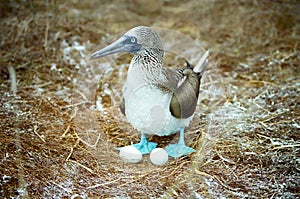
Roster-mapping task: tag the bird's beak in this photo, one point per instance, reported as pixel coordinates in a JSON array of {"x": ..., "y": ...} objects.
[
  {"x": 115, "y": 47},
  {"x": 121, "y": 45}
]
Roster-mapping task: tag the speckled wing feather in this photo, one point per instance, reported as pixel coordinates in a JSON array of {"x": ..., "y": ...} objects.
[
  {"x": 185, "y": 93},
  {"x": 184, "y": 85}
]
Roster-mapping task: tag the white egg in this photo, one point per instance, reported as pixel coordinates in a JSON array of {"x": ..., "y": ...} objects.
[
  {"x": 130, "y": 154},
  {"x": 159, "y": 156}
]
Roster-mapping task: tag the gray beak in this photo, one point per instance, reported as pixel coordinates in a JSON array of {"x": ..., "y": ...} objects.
[
  {"x": 121, "y": 45},
  {"x": 115, "y": 47}
]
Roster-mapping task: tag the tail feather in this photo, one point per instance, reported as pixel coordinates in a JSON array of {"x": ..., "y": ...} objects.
[{"x": 200, "y": 67}]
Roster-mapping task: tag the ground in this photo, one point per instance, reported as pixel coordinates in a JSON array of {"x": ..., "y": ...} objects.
[{"x": 59, "y": 142}]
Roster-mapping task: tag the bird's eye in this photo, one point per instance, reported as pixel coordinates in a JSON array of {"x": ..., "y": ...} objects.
[{"x": 133, "y": 40}]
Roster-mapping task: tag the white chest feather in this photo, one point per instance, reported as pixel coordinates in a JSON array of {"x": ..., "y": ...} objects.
[{"x": 147, "y": 110}]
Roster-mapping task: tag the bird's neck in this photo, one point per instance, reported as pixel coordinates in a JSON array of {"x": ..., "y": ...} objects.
[{"x": 147, "y": 64}]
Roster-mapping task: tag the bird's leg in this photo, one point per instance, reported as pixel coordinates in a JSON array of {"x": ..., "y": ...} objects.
[
  {"x": 179, "y": 149},
  {"x": 144, "y": 146}
]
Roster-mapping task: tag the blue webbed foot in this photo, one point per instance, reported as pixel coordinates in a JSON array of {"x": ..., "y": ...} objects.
[
  {"x": 145, "y": 147},
  {"x": 178, "y": 150}
]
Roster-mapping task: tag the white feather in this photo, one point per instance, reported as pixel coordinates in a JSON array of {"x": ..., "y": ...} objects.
[
  {"x": 180, "y": 82},
  {"x": 201, "y": 63},
  {"x": 147, "y": 110}
]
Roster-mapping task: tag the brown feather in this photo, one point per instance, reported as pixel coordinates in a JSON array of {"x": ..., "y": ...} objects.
[{"x": 184, "y": 99}]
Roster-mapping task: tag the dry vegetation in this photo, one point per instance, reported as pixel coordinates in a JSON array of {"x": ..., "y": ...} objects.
[{"x": 246, "y": 130}]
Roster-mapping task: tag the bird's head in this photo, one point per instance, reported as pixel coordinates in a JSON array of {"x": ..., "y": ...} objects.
[{"x": 134, "y": 41}]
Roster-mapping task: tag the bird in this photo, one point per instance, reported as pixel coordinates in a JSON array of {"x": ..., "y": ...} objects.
[{"x": 157, "y": 100}]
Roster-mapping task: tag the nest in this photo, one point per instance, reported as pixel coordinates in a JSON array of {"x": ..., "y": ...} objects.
[{"x": 245, "y": 130}]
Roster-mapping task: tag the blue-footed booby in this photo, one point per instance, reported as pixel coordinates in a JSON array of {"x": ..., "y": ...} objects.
[{"x": 156, "y": 100}]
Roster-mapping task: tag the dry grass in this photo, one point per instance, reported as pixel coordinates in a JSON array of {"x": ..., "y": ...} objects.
[{"x": 246, "y": 130}]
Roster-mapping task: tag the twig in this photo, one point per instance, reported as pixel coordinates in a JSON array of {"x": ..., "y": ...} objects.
[
  {"x": 74, "y": 113},
  {"x": 224, "y": 159},
  {"x": 55, "y": 106},
  {"x": 43, "y": 85},
  {"x": 266, "y": 137},
  {"x": 13, "y": 79},
  {"x": 104, "y": 184},
  {"x": 286, "y": 146},
  {"x": 89, "y": 145},
  {"x": 272, "y": 116},
  {"x": 266, "y": 126},
  {"x": 81, "y": 165},
  {"x": 77, "y": 104},
  {"x": 174, "y": 171},
  {"x": 66, "y": 190},
  {"x": 265, "y": 82},
  {"x": 46, "y": 35},
  {"x": 136, "y": 179},
  {"x": 216, "y": 178},
  {"x": 71, "y": 152},
  {"x": 35, "y": 132},
  {"x": 66, "y": 131},
  {"x": 72, "y": 149},
  {"x": 82, "y": 95},
  {"x": 23, "y": 181},
  {"x": 203, "y": 174},
  {"x": 277, "y": 186}
]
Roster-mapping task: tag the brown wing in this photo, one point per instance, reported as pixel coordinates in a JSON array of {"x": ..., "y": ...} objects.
[{"x": 185, "y": 96}]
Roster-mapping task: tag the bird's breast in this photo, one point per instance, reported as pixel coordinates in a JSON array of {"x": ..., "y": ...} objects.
[{"x": 147, "y": 110}]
